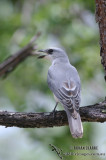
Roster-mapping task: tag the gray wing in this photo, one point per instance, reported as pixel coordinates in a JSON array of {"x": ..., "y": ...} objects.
[
  {"x": 69, "y": 95},
  {"x": 67, "y": 91}
]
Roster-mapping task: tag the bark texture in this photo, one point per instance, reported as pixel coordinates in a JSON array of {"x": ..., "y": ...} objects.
[
  {"x": 92, "y": 113},
  {"x": 101, "y": 20}
]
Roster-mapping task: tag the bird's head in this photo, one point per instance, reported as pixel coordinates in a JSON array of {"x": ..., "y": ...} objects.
[{"x": 52, "y": 53}]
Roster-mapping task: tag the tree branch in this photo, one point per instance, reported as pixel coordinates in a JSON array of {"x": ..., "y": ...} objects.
[
  {"x": 13, "y": 61},
  {"x": 101, "y": 20},
  {"x": 92, "y": 113}
]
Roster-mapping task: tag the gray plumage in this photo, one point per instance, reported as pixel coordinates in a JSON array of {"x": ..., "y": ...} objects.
[{"x": 64, "y": 82}]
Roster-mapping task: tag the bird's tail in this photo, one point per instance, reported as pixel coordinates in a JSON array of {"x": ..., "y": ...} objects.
[{"x": 75, "y": 125}]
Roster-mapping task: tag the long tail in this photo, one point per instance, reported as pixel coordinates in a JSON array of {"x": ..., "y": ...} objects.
[{"x": 75, "y": 125}]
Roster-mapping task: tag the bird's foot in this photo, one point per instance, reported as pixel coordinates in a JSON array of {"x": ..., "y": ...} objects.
[{"x": 53, "y": 112}]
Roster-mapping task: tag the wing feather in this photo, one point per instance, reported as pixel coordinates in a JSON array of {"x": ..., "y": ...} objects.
[
  {"x": 70, "y": 96},
  {"x": 67, "y": 92}
]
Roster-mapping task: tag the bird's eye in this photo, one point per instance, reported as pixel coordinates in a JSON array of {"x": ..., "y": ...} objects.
[{"x": 50, "y": 51}]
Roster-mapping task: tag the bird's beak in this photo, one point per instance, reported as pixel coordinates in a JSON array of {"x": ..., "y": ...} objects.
[{"x": 42, "y": 51}]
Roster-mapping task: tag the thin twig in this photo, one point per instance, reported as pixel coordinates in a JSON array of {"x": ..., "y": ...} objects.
[{"x": 13, "y": 61}]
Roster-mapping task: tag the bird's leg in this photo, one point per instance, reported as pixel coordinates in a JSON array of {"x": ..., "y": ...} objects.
[{"x": 54, "y": 110}]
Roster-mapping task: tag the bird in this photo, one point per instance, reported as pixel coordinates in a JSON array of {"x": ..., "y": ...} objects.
[{"x": 64, "y": 81}]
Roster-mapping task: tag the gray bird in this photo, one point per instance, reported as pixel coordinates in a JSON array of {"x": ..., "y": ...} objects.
[{"x": 64, "y": 82}]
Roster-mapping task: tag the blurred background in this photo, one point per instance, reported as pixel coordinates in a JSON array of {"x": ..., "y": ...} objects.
[{"x": 67, "y": 24}]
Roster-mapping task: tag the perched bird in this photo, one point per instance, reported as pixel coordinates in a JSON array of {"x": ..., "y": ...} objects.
[{"x": 64, "y": 82}]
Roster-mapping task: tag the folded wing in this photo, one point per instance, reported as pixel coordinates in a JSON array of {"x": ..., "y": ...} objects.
[{"x": 69, "y": 95}]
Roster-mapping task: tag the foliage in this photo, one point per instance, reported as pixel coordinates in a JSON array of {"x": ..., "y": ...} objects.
[{"x": 67, "y": 24}]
